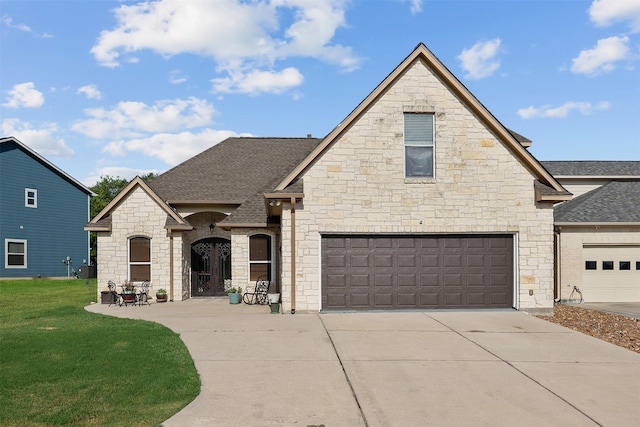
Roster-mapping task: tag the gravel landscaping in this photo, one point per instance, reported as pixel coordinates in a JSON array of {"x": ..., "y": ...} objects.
[{"x": 619, "y": 330}]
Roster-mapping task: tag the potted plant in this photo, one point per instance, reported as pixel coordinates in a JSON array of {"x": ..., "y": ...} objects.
[
  {"x": 128, "y": 292},
  {"x": 235, "y": 294},
  {"x": 161, "y": 295},
  {"x": 274, "y": 302}
]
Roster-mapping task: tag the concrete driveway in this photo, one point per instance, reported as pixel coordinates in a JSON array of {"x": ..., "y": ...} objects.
[{"x": 493, "y": 368}]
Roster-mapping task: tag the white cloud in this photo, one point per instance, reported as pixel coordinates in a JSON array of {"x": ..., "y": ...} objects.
[
  {"x": 133, "y": 119},
  {"x": 171, "y": 148},
  {"x": 252, "y": 40},
  {"x": 602, "y": 57},
  {"x": 416, "y": 6},
  {"x": 24, "y": 95},
  {"x": 562, "y": 111},
  {"x": 8, "y": 22},
  {"x": 604, "y": 13},
  {"x": 91, "y": 91},
  {"x": 256, "y": 82},
  {"x": 479, "y": 61},
  {"x": 42, "y": 140},
  {"x": 177, "y": 77}
]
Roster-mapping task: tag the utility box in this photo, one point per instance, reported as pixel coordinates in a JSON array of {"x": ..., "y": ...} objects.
[{"x": 87, "y": 272}]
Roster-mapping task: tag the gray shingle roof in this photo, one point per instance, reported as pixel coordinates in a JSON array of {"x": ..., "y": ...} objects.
[
  {"x": 593, "y": 168},
  {"x": 616, "y": 201},
  {"x": 233, "y": 170}
]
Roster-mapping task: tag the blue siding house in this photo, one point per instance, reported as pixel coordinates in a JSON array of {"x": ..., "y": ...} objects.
[{"x": 43, "y": 211}]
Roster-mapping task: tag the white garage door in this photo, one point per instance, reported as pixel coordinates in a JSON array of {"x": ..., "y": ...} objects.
[{"x": 611, "y": 273}]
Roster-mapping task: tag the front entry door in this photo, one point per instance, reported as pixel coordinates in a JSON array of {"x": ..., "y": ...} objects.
[{"x": 210, "y": 266}]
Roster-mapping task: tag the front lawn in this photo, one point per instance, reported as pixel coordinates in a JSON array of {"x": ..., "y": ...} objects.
[{"x": 61, "y": 365}]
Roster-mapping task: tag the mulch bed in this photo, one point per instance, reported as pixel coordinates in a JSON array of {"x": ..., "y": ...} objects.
[{"x": 619, "y": 330}]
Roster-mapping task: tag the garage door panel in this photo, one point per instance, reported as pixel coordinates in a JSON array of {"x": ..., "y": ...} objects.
[
  {"x": 337, "y": 300},
  {"x": 430, "y": 260},
  {"x": 452, "y": 299},
  {"x": 453, "y": 260},
  {"x": 476, "y": 299},
  {"x": 403, "y": 272},
  {"x": 498, "y": 280},
  {"x": 408, "y": 260},
  {"x": 407, "y": 280},
  {"x": 383, "y": 300},
  {"x": 475, "y": 261},
  {"x": 381, "y": 280},
  {"x": 361, "y": 280},
  {"x": 383, "y": 260},
  {"x": 497, "y": 261},
  {"x": 359, "y": 260},
  {"x": 337, "y": 261},
  {"x": 452, "y": 279},
  {"x": 407, "y": 300},
  {"x": 336, "y": 280},
  {"x": 358, "y": 300}
]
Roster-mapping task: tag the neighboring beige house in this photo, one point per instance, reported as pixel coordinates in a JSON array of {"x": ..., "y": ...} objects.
[
  {"x": 419, "y": 199},
  {"x": 598, "y": 232}
]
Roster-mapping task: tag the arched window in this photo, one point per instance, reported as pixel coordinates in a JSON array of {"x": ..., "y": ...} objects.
[
  {"x": 139, "y": 259},
  {"x": 260, "y": 257}
]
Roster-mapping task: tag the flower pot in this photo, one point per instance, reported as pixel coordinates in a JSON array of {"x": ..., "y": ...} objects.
[
  {"x": 161, "y": 297},
  {"x": 235, "y": 298},
  {"x": 275, "y": 307},
  {"x": 273, "y": 298}
]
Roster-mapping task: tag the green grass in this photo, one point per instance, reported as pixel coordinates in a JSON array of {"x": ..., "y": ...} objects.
[{"x": 61, "y": 365}]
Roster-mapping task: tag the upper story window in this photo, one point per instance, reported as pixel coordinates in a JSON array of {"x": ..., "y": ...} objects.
[
  {"x": 30, "y": 198},
  {"x": 15, "y": 253},
  {"x": 260, "y": 257},
  {"x": 419, "y": 141},
  {"x": 139, "y": 259}
]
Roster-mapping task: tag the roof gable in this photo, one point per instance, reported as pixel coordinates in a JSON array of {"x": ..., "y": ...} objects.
[
  {"x": 102, "y": 222},
  {"x": 46, "y": 163},
  {"x": 512, "y": 141}
]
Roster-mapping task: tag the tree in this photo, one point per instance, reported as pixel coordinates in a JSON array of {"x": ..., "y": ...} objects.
[{"x": 106, "y": 190}]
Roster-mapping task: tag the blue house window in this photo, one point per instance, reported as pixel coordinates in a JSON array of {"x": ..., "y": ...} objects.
[
  {"x": 15, "y": 253},
  {"x": 30, "y": 198}
]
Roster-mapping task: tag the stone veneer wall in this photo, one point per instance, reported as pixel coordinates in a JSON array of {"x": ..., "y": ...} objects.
[
  {"x": 358, "y": 186},
  {"x": 139, "y": 215}
]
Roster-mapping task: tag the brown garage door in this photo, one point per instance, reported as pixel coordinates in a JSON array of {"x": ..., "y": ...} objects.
[{"x": 417, "y": 272}]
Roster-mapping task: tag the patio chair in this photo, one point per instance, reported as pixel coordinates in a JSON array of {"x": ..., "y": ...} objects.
[
  {"x": 114, "y": 298},
  {"x": 143, "y": 294},
  {"x": 257, "y": 294}
]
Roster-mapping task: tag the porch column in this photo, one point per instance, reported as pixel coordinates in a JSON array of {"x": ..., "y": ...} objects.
[
  {"x": 170, "y": 265},
  {"x": 293, "y": 255}
]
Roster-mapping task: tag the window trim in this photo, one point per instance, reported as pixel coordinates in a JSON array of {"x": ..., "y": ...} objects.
[
  {"x": 271, "y": 262},
  {"x": 27, "y": 198},
  {"x": 6, "y": 253},
  {"x": 130, "y": 263},
  {"x": 432, "y": 145}
]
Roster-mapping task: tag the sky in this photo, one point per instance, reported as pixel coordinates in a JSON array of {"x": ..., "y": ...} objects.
[{"x": 123, "y": 88}]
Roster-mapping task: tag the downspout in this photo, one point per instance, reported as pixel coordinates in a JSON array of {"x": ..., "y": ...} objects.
[
  {"x": 293, "y": 255},
  {"x": 558, "y": 263},
  {"x": 171, "y": 265}
]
